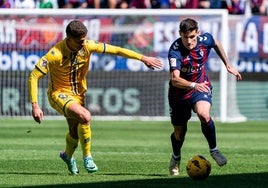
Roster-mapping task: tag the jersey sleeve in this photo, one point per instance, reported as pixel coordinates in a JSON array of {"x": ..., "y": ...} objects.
[
  {"x": 99, "y": 47},
  {"x": 174, "y": 56},
  {"x": 41, "y": 69},
  {"x": 51, "y": 57},
  {"x": 43, "y": 64},
  {"x": 35, "y": 75},
  {"x": 116, "y": 50},
  {"x": 207, "y": 39}
]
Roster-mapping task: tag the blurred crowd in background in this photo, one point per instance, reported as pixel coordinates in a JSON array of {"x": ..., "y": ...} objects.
[{"x": 257, "y": 7}]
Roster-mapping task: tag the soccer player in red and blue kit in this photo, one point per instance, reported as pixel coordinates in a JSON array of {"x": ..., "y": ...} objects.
[{"x": 190, "y": 88}]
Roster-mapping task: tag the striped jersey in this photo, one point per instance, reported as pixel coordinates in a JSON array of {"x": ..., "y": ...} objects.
[{"x": 191, "y": 63}]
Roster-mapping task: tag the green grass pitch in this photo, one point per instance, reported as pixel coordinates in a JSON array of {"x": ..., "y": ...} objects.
[{"x": 130, "y": 154}]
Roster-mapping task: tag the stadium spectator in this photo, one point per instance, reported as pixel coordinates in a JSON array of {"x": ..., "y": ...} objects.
[
  {"x": 142, "y": 4},
  {"x": 112, "y": 4},
  {"x": 212, "y": 4},
  {"x": 27, "y": 4},
  {"x": 204, "y": 4},
  {"x": 236, "y": 6},
  {"x": 99, "y": 4},
  {"x": 217, "y": 4},
  {"x": 47, "y": 4},
  {"x": 67, "y": 64},
  {"x": 62, "y": 3},
  {"x": 259, "y": 7},
  {"x": 74, "y": 4},
  {"x": 174, "y": 4},
  {"x": 190, "y": 89},
  {"x": 192, "y": 4},
  {"x": 123, "y": 4},
  {"x": 163, "y": 4},
  {"x": 5, "y": 4}
]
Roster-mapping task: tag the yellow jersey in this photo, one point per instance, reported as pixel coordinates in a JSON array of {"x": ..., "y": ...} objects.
[{"x": 68, "y": 69}]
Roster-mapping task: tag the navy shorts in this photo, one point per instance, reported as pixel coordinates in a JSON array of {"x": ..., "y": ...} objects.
[{"x": 181, "y": 109}]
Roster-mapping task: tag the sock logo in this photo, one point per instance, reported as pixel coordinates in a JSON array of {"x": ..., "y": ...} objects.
[{"x": 87, "y": 140}]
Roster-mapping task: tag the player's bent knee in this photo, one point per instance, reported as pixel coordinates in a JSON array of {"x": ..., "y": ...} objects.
[
  {"x": 204, "y": 117},
  {"x": 85, "y": 117}
]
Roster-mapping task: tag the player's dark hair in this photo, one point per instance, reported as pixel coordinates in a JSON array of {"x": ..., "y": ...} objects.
[
  {"x": 188, "y": 24},
  {"x": 76, "y": 29}
]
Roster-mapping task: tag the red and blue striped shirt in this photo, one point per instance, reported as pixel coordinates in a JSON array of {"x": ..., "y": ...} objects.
[{"x": 191, "y": 63}]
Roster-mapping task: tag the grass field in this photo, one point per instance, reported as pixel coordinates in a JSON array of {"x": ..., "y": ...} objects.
[{"x": 130, "y": 154}]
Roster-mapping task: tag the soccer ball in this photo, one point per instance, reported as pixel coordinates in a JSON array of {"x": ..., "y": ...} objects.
[{"x": 198, "y": 167}]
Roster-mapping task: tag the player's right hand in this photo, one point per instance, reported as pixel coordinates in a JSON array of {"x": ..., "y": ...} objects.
[
  {"x": 37, "y": 113},
  {"x": 202, "y": 87},
  {"x": 152, "y": 62}
]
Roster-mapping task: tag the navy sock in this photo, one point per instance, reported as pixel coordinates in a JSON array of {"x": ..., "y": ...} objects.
[
  {"x": 176, "y": 145},
  {"x": 209, "y": 132}
]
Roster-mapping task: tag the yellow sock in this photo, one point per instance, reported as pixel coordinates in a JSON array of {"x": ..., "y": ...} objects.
[
  {"x": 84, "y": 134},
  {"x": 71, "y": 145}
]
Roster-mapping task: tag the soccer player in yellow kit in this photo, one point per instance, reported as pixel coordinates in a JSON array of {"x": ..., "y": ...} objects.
[{"x": 67, "y": 64}]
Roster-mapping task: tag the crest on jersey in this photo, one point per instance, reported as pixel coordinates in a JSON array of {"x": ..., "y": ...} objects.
[
  {"x": 187, "y": 58},
  {"x": 43, "y": 63},
  {"x": 173, "y": 62},
  {"x": 201, "y": 52}
]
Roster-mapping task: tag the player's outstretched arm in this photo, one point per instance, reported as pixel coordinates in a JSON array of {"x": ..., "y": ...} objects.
[
  {"x": 151, "y": 62},
  {"x": 234, "y": 71},
  {"x": 37, "y": 113},
  {"x": 221, "y": 53}
]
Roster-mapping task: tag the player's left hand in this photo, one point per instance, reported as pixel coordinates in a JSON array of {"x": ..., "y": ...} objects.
[
  {"x": 152, "y": 62},
  {"x": 234, "y": 71}
]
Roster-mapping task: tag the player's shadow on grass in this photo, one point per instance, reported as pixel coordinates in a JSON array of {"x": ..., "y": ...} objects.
[{"x": 258, "y": 180}]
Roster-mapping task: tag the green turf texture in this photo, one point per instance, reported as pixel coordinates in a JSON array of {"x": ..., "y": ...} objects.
[{"x": 130, "y": 154}]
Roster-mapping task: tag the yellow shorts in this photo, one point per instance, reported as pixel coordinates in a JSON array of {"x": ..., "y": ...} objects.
[{"x": 61, "y": 101}]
